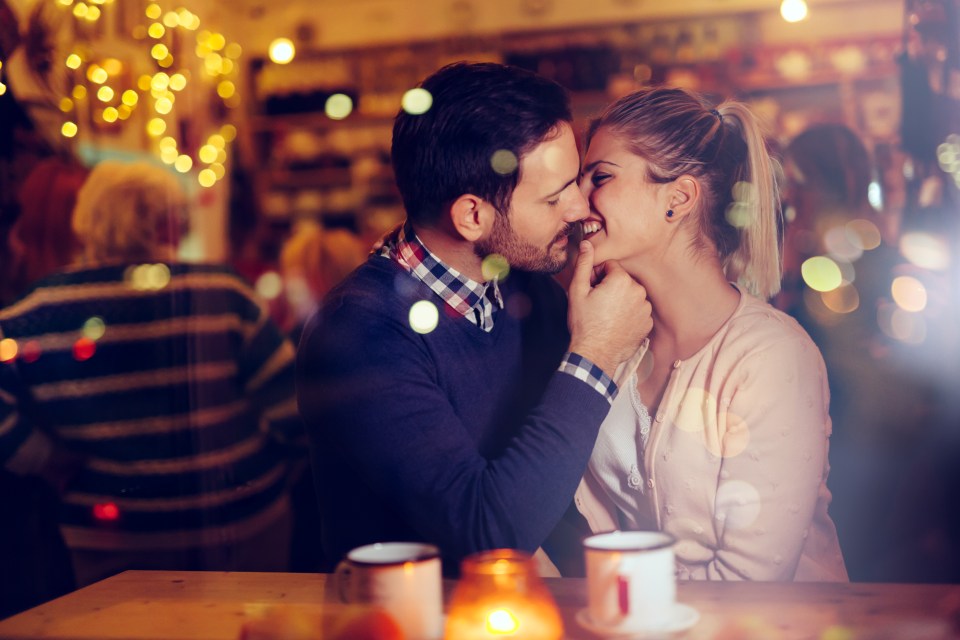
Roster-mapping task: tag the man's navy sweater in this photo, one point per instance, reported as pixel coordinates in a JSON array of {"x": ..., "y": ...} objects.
[{"x": 462, "y": 438}]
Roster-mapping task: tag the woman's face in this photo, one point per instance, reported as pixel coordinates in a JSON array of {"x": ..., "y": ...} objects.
[{"x": 627, "y": 220}]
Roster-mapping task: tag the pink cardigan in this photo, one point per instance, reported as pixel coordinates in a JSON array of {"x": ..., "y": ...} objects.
[{"x": 736, "y": 460}]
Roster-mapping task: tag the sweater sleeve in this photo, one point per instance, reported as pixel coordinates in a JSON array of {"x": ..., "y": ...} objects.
[
  {"x": 774, "y": 450},
  {"x": 368, "y": 387}
]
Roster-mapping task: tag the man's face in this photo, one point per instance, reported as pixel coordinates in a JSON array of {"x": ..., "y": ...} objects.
[{"x": 534, "y": 233}]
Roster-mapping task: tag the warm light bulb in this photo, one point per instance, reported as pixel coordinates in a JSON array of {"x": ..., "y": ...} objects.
[
  {"x": 793, "y": 10},
  {"x": 282, "y": 50}
]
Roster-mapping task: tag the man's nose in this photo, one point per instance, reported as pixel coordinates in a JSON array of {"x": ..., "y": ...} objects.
[{"x": 579, "y": 208}]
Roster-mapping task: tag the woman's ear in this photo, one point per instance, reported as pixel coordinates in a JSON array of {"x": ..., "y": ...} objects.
[
  {"x": 684, "y": 195},
  {"x": 472, "y": 217}
]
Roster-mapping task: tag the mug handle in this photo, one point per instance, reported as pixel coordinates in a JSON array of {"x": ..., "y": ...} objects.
[{"x": 343, "y": 574}]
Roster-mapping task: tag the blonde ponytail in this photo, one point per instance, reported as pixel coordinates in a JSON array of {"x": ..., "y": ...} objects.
[{"x": 756, "y": 263}]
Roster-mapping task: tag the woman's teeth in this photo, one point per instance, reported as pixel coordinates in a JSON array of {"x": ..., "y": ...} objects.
[{"x": 591, "y": 227}]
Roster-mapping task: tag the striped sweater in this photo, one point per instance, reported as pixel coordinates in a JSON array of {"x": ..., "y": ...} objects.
[{"x": 172, "y": 382}]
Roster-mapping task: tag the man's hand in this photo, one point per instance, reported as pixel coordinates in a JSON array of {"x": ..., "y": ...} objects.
[{"x": 608, "y": 320}]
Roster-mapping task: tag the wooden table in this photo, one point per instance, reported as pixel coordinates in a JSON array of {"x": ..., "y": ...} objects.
[{"x": 210, "y": 606}]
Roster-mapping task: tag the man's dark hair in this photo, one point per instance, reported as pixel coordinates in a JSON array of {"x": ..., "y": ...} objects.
[{"x": 478, "y": 109}]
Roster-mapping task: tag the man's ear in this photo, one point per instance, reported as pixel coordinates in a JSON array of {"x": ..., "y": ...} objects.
[
  {"x": 472, "y": 217},
  {"x": 684, "y": 195}
]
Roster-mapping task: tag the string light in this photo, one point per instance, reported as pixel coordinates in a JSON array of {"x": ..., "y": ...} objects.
[{"x": 119, "y": 97}]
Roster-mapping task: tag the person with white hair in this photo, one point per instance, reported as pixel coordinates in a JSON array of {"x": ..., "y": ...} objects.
[{"x": 156, "y": 396}]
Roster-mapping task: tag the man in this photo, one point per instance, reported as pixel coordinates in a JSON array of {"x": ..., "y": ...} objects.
[{"x": 439, "y": 400}]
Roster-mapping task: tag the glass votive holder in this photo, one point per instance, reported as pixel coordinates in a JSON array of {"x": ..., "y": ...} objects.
[{"x": 501, "y": 595}]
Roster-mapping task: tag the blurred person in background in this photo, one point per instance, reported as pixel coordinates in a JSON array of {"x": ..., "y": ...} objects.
[
  {"x": 312, "y": 261},
  {"x": 156, "y": 396},
  {"x": 842, "y": 259},
  {"x": 34, "y": 561},
  {"x": 42, "y": 240}
]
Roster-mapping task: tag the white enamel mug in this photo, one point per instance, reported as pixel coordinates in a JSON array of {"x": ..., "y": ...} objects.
[
  {"x": 631, "y": 580},
  {"x": 404, "y": 578}
]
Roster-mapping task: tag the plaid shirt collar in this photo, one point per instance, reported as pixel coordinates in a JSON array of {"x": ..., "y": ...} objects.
[{"x": 471, "y": 299}]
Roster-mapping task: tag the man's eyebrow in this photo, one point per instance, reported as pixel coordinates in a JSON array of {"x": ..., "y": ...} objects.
[{"x": 560, "y": 190}]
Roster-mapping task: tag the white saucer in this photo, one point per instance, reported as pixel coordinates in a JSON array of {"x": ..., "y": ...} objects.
[{"x": 682, "y": 618}]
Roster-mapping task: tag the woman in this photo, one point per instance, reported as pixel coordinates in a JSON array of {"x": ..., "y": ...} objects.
[{"x": 719, "y": 435}]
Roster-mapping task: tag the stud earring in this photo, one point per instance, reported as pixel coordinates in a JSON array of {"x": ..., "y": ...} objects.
[{"x": 669, "y": 213}]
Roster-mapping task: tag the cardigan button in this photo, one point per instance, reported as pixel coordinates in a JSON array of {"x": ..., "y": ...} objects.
[
  {"x": 676, "y": 364},
  {"x": 650, "y": 483}
]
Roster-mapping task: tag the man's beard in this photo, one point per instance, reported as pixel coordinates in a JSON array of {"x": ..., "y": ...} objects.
[{"x": 519, "y": 253}]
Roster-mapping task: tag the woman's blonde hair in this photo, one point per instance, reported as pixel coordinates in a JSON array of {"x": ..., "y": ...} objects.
[
  {"x": 677, "y": 133},
  {"x": 128, "y": 211}
]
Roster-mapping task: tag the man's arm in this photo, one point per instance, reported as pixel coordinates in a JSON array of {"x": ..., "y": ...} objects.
[{"x": 368, "y": 388}]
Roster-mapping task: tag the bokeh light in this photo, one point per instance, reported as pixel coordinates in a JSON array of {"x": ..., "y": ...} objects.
[
  {"x": 147, "y": 277},
  {"x": 793, "y": 10},
  {"x": 821, "y": 273},
  {"x": 904, "y": 326},
  {"x": 106, "y": 512},
  {"x": 909, "y": 293},
  {"x": 8, "y": 349},
  {"x": 841, "y": 245},
  {"x": 417, "y": 101},
  {"x": 504, "y": 162},
  {"x": 925, "y": 250},
  {"x": 338, "y": 106},
  {"x": 843, "y": 299},
  {"x": 83, "y": 349},
  {"x": 206, "y": 178},
  {"x": 282, "y": 51},
  {"x": 495, "y": 267},
  {"x": 863, "y": 234},
  {"x": 156, "y": 127},
  {"x": 226, "y": 89},
  {"x": 269, "y": 285},
  {"x": 424, "y": 316},
  {"x": 739, "y": 504},
  {"x": 178, "y": 82},
  {"x": 31, "y": 351},
  {"x": 69, "y": 129},
  {"x": 94, "y": 328}
]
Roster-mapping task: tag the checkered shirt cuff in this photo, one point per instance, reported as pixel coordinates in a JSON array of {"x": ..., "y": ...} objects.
[{"x": 582, "y": 369}]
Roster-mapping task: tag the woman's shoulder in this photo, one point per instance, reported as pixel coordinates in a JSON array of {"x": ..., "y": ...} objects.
[{"x": 758, "y": 326}]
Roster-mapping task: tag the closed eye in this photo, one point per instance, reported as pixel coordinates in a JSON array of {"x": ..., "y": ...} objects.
[{"x": 599, "y": 178}]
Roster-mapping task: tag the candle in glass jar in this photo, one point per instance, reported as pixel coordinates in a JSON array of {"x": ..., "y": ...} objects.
[{"x": 500, "y": 595}]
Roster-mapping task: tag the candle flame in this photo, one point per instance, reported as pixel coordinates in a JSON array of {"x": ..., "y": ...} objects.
[{"x": 502, "y": 622}]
